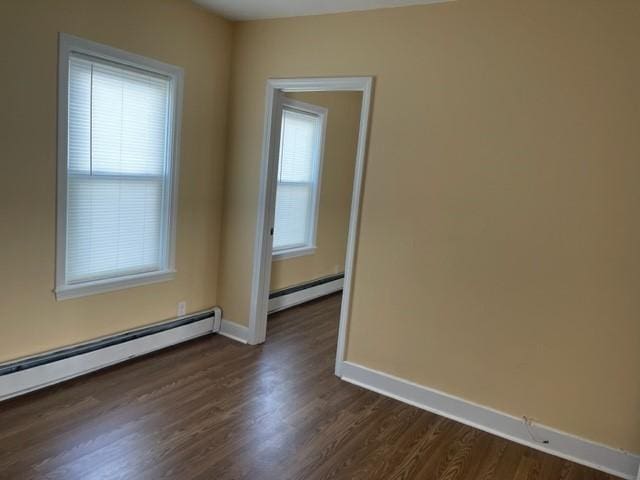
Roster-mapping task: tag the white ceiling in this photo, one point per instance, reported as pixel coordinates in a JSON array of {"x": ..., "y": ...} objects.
[{"x": 257, "y": 9}]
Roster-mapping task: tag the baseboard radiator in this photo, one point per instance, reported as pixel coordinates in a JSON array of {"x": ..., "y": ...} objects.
[
  {"x": 35, "y": 372},
  {"x": 305, "y": 292}
]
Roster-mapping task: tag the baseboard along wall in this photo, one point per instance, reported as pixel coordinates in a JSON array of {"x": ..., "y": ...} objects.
[
  {"x": 39, "y": 371},
  {"x": 305, "y": 292},
  {"x": 234, "y": 331},
  {"x": 561, "y": 444}
]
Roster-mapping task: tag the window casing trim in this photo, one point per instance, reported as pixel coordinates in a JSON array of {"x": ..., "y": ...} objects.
[
  {"x": 308, "y": 248},
  {"x": 109, "y": 285},
  {"x": 294, "y": 252},
  {"x": 70, "y": 45}
]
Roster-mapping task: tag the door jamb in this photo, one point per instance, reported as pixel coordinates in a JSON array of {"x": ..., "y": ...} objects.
[{"x": 266, "y": 201}]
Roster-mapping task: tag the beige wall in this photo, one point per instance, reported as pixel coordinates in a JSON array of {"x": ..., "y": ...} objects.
[
  {"x": 499, "y": 253},
  {"x": 173, "y": 31},
  {"x": 498, "y": 256},
  {"x": 341, "y": 142}
]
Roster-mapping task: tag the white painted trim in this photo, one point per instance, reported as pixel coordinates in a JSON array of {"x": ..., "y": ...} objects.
[
  {"x": 234, "y": 331},
  {"x": 110, "y": 285},
  {"x": 262, "y": 256},
  {"x": 293, "y": 253},
  {"x": 68, "y": 45},
  {"x": 321, "y": 114},
  {"x": 296, "y": 298},
  {"x": 24, "y": 381},
  {"x": 354, "y": 218},
  {"x": 263, "y": 245},
  {"x": 561, "y": 444}
]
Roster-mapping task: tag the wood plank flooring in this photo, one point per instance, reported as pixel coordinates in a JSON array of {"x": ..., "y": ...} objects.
[{"x": 214, "y": 409}]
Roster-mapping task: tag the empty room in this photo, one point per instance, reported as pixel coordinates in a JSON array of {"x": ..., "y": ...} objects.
[{"x": 320, "y": 239}]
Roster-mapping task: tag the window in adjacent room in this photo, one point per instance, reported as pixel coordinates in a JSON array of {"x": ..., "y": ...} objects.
[
  {"x": 118, "y": 132},
  {"x": 299, "y": 171}
]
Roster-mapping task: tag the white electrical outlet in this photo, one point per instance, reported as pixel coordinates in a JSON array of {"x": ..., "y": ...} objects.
[{"x": 182, "y": 309}]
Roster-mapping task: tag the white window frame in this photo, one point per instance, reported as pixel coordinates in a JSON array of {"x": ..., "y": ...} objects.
[
  {"x": 69, "y": 45},
  {"x": 309, "y": 248}
]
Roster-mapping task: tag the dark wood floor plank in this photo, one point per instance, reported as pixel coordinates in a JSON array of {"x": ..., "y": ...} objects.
[{"x": 215, "y": 409}]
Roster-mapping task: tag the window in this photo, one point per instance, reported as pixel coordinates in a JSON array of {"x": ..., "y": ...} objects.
[
  {"x": 299, "y": 168},
  {"x": 117, "y": 169}
]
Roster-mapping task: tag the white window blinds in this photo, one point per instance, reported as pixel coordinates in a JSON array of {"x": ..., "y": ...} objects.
[
  {"x": 298, "y": 172},
  {"x": 118, "y": 171}
]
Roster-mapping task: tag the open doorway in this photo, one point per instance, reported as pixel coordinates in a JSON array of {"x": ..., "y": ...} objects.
[
  {"x": 310, "y": 188},
  {"x": 316, "y": 165}
]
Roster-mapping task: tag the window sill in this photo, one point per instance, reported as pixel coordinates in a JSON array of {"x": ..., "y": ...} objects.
[
  {"x": 65, "y": 292},
  {"x": 292, "y": 253}
]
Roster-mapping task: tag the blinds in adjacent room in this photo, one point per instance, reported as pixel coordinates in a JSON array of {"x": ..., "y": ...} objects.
[
  {"x": 298, "y": 172},
  {"x": 118, "y": 170}
]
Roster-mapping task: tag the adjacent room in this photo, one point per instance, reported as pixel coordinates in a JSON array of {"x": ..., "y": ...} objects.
[
  {"x": 316, "y": 152},
  {"x": 304, "y": 239}
]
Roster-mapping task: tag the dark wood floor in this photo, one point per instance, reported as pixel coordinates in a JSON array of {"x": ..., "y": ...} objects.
[{"x": 214, "y": 409}]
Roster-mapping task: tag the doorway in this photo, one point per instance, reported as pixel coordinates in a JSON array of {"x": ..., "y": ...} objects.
[{"x": 300, "y": 188}]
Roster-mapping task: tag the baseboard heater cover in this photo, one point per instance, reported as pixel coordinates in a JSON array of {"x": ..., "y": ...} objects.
[
  {"x": 305, "y": 292},
  {"x": 306, "y": 285},
  {"x": 38, "y": 371}
]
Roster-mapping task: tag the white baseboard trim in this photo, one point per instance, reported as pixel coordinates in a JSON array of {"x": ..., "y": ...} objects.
[
  {"x": 564, "y": 445},
  {"x": 47, "y": 374},
  {"x": 292, "y": 299},
  {"x": 234, "y": 331}
]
